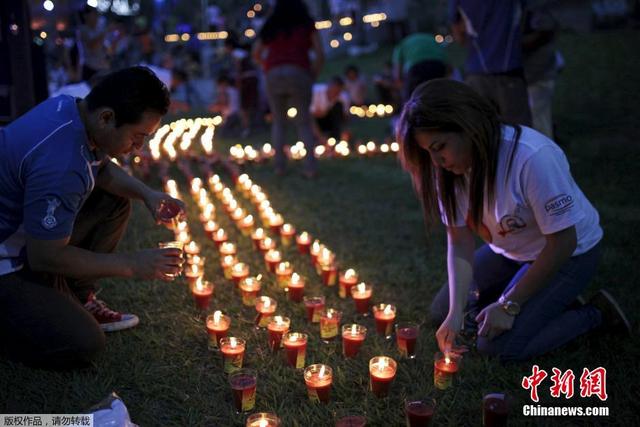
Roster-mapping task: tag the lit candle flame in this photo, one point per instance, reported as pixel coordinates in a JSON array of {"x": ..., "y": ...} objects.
[
  {"x": 382, "y": 365},
  {"x": 321, "y": 373},
  {"x": 248, "y": 220},
  {"x": 304, "y": 236},
  {"x": 388, "y": 309},
  {"x": 286, "y": 228},
  {"x": 361, "y": 287},
  {"x": 238, "y": 268},
  {"x": 295, "y": 278},
  {"x": 350, "y": 273},
  {"x": 217, "y": 316},
  {"x": 263, "y": 423},
  {"x": 293, "y": 337},
  {"x": 354, "y": 329},
  {"x": 233, "y": 342},
  {"x": 199, "y": 284},
  {"x": 279, "y": 321},
  {"x": 220, "y": 233},
  {"x": 259, "y": 233}
]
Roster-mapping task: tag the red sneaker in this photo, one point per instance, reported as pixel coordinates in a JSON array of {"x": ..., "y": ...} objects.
[{"x": 109, "y": 320}]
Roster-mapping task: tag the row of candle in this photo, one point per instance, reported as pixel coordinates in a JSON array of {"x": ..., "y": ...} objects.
[
  {"x": 353, "y": 335},
  {"x": 299, "y": 151}
]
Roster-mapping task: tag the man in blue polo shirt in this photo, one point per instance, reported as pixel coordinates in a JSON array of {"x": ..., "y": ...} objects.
[
  {"x": 492, "y": 32},
  {"x": 64, "y": 207}
]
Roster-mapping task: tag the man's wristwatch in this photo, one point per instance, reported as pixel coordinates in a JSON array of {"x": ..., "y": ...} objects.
[{"x": 512, "y": 308}]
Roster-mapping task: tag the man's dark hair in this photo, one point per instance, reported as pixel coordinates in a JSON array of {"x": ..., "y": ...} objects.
[
  {"x": 129, "y": 93},
  {"x": 336, "y": 80}
]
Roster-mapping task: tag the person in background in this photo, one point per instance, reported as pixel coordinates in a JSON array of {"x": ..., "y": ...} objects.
[
  {"x": 540, "y": 66},
  {"x": 417, "y": 59},
  {"x": 64, "y": 208},
  {"x": 283, "y": 48},
  {"x": 386, "y": 86},
  {"x": 355, "y": 85},
  {"x": 492, "y": 32},
  {"x": 227, "y": 103},
  {"x": 511, "y": 186},
  {"x": 248, "y": 84},
  {"x": 329, "y": 106},
  {"x": 94, "y": 55}
]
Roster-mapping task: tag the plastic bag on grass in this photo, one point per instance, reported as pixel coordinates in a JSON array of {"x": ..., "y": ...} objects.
[{"x": 111, "y": 412}]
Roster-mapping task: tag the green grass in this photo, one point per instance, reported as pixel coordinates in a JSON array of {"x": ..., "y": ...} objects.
[{"x": 365, "y": 210}]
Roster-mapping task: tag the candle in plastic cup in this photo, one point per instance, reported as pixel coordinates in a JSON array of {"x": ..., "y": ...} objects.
[
  {"x": 217, "y": 328},
  {"x": 265, "y": 307},
  {"x": 250, "y": 288},
  {"x": 167, "y": 213},
  {"x": 232, "y": 349},
  {"x": 329, "y": 274},
  {"x": 314, "y": 307},
  {"x": 263, "y": 419},
  {"x": 192, "y": 273},
  {"x": 347, "y": 280},
  {"x": 287, "y": 231},
  {"x": 419, "y": 412},
  {"x": 445, "y": 367},
  {"x": 283, "y": 274},
  {"x": 353, "y": 336},
  {"x": 495, "y": 410},
  {"x": 173, "y": 244},
  {"x": 329, "y": 324},
  {"x": 202, "y": 291},
  {"x": 382, "y": 371},
  {"x": 304, "y": 242},
  {"x": 384, "y": 315},
  {"x": 192, "y": 248},
  {"x": 239, "y": 272},
  {"x": 361, "y": 294},
  {"x": 295, "y": 348},
  {"x": 318, "y": 379},
  {"x": 227, "y": 263},
  {"x": 406, "y": 338},
  {"x": 272, "y": 258},
  {"x": 256, "y": 236},
  {"x": 276, "y": 328},
  {"x": 243, "y": 386},
  {"x": 295, "y": 288}
]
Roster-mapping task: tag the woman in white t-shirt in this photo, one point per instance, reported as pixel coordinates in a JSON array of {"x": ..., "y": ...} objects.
[{"x": 512, "y": 187}]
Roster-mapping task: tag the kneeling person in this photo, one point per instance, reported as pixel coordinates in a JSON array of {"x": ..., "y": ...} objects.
[{"x": 64, "y": 208}]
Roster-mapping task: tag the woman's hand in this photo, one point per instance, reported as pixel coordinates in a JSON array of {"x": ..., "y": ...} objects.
[
  {"x": 447, "y": 333},
  {"x": 493, "y": 321}
]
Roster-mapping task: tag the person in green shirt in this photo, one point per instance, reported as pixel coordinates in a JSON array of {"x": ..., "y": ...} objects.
[{"x": 417, "y": 59}]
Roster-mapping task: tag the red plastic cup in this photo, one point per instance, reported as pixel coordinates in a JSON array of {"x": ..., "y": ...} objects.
[
  {"x": 406, "y": 338},
  {"x": 419, "y": 412},
  {"x": 243, "y": 386}
]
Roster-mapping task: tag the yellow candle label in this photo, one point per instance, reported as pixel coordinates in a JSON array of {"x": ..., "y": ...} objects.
[
  {"x": 284, "y": 281},
  {"x": 442, "y": 380},
  {"x": 286, "y": 241},
  {"x": 248, "y": 299},
  {"x": 402, "y": 348},
  {"x": 248, "y": 399},
  {"x": 300, "y": 358},
  {"x": 316, "y": 315},
  {"x": 313, "y": 394},
  {"x": 342, "y": 291},
  {"x": 233, "y": 363},
  {"x": 388, "y": 329},
  {"x": 213, "y": 340},
  {"x": 318, "y": 268},
  {"x": 264, "y": 320},
  {"x": 328, "y": 329},
  {"x": 331, "y": 280},
  {"x": 227, "y": 273}
]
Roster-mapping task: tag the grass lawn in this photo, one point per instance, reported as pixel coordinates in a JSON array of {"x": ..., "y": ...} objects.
[{"x": 365, "y": 210}]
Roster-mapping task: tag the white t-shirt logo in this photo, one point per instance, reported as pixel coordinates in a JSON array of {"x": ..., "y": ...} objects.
[
  {"x": 559, "y": 205},
  {"x": 49, "y": 221}
]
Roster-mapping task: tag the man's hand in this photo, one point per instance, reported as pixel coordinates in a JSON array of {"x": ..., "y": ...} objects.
[
  {"x": 163, "y": 264},
  {"x": 163, "y": 207},
  {"x": 493, "y": 321}
]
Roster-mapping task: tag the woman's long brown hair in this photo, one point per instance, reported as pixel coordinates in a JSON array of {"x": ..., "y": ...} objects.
[{"x": 449, "y": 106}]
